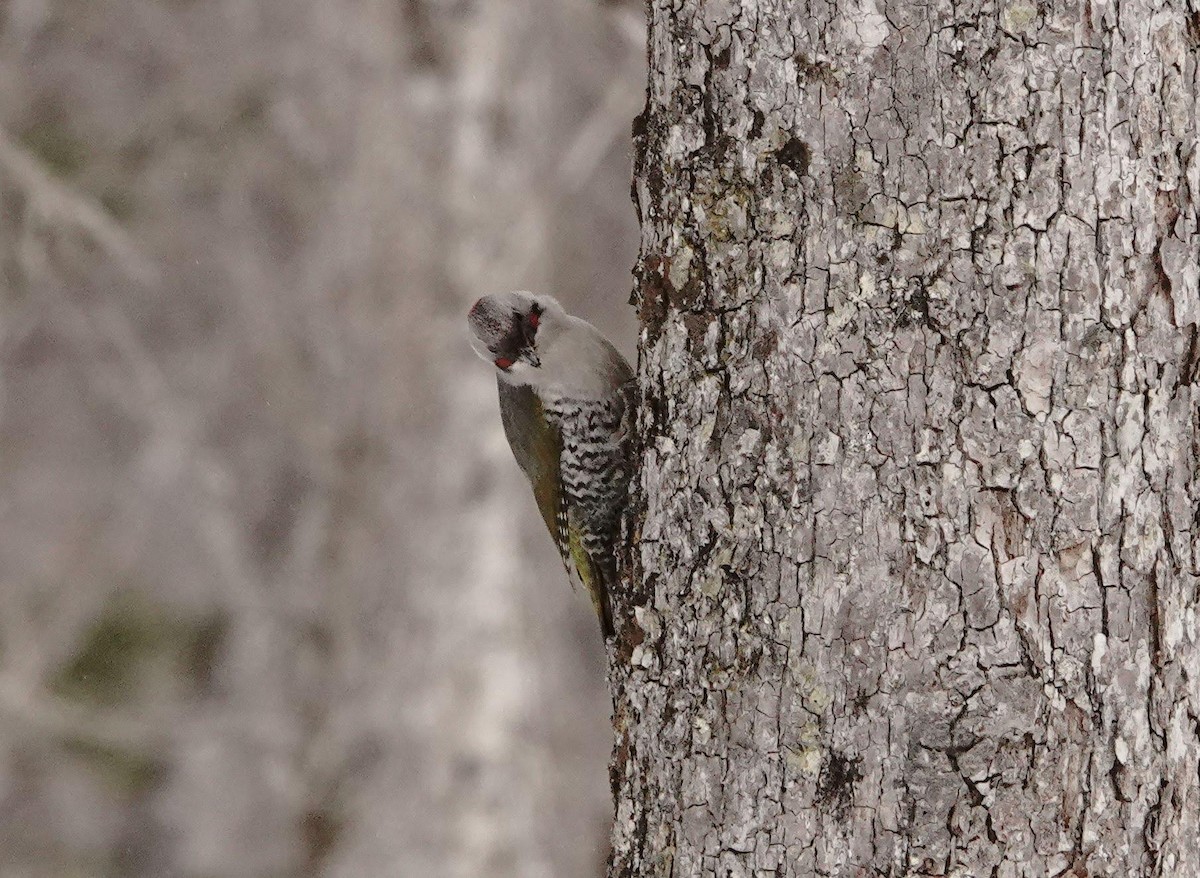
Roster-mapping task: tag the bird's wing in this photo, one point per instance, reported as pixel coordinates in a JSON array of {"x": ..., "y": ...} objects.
[
  {"x": 537, "y": 446},
  {"x": 597, "y": 575}
]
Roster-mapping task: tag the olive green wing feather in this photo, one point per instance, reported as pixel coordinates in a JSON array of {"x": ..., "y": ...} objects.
[
  {"x": 597, "y": 577},
  {"x": 537, "y": 446}
]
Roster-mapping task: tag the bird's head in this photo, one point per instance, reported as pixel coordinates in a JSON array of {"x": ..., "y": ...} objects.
[{"x": 509, "y": 330}]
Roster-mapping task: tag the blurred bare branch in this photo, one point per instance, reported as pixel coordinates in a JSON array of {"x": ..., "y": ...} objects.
[
  {"x": 54, "y": 204},
  {"x": 47, "y": 717}
]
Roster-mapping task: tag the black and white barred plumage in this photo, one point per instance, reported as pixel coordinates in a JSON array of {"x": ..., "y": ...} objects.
[
  {"x": 564, "y": 403},
  {"x": 592, "y": 465}
]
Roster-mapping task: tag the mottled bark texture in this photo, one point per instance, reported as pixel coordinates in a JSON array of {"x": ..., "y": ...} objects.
[{"x": 916, "y": 560}]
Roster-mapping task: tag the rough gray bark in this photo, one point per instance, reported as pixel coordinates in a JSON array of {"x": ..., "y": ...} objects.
[{"x": 916, "y": 564}]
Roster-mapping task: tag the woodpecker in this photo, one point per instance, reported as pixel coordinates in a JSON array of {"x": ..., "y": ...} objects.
[{"x": 565, "y": 403}]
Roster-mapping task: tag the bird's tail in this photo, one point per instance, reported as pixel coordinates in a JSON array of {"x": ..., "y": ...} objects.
[
  {"x": 608, "y": 580},
  {"x": 600, "y": 578}
]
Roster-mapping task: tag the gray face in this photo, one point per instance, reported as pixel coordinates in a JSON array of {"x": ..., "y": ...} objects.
[{"x": 505, "y": 329}]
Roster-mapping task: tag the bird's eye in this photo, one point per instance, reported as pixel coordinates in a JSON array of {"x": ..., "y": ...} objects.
[
  {"x": 533, "y": 319},
  {"x": 503, "y": 363}
]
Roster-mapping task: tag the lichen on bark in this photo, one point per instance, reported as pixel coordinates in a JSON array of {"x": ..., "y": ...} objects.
[{"x": 915, "y": 571}]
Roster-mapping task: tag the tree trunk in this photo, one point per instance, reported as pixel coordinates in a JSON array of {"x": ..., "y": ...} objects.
[{"x": 915, "y": 561}]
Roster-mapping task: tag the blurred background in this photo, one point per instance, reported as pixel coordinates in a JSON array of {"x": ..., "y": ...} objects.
[{"x": 274, "y": 597}]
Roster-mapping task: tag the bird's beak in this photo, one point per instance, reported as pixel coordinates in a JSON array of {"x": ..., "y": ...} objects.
[{"x": 532, "y": 359}]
